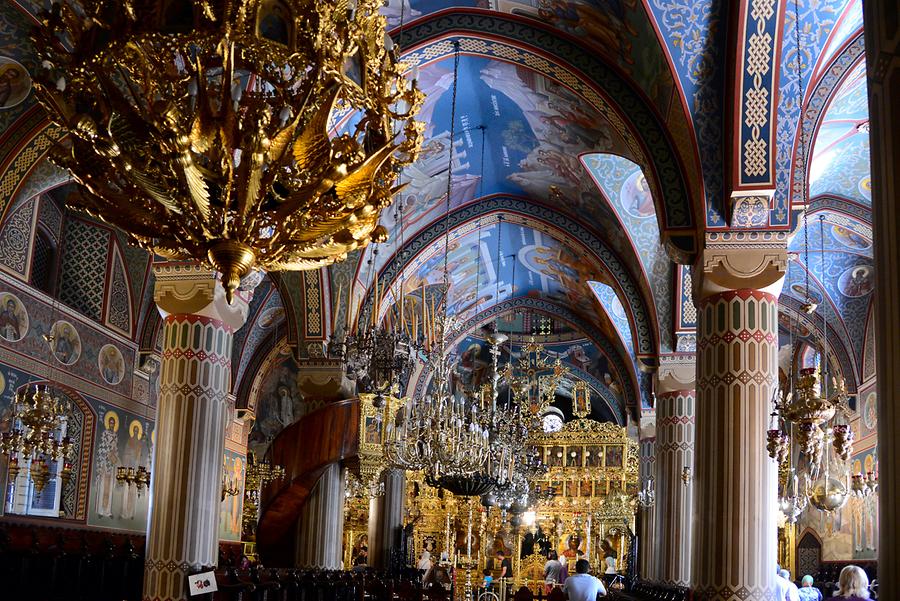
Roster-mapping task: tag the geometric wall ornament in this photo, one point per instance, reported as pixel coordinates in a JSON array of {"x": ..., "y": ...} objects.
[
  {"x": 15, "y": 239},
  {"x": 118, "y": 295},
  {"x": 84, "y": 257}
]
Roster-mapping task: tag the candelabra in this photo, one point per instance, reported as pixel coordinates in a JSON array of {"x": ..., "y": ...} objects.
[
  {"x": 139, "y": 478},
  {"x": 258, "y": 475},
  {"x": 230, "y": 487},
  {"x": 864, "y": 485},
  {"x": 37, "y": 436},
  {"x": 646, "y": 497},
  {"x": 793, "y": 502}
]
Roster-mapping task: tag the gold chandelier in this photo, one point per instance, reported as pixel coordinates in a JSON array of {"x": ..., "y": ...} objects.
[
  {"x": 37, "y": 437},
  {"x": 202, "y": 128}
]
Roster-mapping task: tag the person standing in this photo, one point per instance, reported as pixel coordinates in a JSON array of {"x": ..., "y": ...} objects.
[
  {"x": 582, "y": 586},
  {"x": 552, "y": 571},
  {"x": 506, "y": 571},
  {"x": 785, "y": 589}
]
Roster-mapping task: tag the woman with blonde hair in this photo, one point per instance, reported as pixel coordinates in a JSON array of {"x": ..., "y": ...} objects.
[{"x": 853, "y": 584}]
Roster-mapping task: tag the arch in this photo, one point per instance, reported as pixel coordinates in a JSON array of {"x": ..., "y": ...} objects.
[{"x": 576, "y": 233}]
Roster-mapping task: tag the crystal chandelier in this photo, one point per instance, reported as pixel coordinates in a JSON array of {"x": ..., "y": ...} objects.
[
  {"x": 202, "y": 128},
  {"x": 36, "y": 436},
  {"x": 441, "y": 434}
]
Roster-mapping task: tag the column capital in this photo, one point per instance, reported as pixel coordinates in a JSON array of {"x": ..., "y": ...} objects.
[
  {"x": 187, "y": 288},
  {"x": 735, "y": 260},
  {"x": 677, "y": 371}
]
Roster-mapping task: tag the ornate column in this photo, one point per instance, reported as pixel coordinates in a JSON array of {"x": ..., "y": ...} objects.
[
  {"x": 882, "y": 31},
  {"x": 647, "y": 541},
  {"x": 386, "y": 521},
  {"x": 736, "y": 287},
  {"x": 675, "y": 410},
  {"x": 320, "y": 529},
  {"x": 192, "y": 414}
]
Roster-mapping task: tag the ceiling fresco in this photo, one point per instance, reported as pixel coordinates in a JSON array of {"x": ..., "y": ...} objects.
[
  {"x": 846, "y": 274},
  {"x": 530, "y": 263},
  {"x": 618, "y": 30},
  {"x": 840, "y": 157},
  {"x": 624, "y": 186},
  {"x": 825, "y": 26},
  {"x": 534, "y": 131}
]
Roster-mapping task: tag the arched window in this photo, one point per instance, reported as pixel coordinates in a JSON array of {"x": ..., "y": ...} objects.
[{"x": 43, "y": 263}]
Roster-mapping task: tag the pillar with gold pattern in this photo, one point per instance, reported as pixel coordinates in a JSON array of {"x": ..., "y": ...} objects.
[
  {"x": 736, "y": 285},
  {"x": 192, "y": 414},
  {"x": 675, "y": 409}
]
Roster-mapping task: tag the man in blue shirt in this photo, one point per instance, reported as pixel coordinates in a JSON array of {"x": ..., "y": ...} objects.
[{"x": 581, "y": 586}]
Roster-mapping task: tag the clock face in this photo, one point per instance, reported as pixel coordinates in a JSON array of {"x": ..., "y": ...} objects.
[{"x": 552, "y": 423}]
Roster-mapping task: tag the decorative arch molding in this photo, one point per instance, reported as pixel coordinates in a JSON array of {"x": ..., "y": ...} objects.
[
  {"x": 640, "y": 317},
  {"x": 504, "y": 37},
  {"x": 265, "y": 355},
  {"x": 819, "y": 100}
]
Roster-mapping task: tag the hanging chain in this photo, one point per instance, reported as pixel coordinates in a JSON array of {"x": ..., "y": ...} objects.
[{"x": 449, "y": 189}]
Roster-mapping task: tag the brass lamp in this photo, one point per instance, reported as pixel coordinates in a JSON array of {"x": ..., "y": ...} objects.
[{"x": 202, "y": 128}]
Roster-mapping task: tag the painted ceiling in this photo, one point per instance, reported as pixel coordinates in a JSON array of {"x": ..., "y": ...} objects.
[{"x": 527, "y": 133}]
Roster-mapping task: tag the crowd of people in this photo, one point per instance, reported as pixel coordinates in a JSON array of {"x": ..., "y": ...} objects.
[{"x": 853, "y": 585}]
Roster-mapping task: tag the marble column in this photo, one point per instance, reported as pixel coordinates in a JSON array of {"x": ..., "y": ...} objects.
[
  {"x": 675, "y": 411},
  {"x": 386, "y": 519},
  {"x": 320, "y": 529},
  {"x": 647, "y": 473},
  {"x": 192, "y": 415},
  {"x": 882, "y": 30},
  {"x": 736, "y": 287}
]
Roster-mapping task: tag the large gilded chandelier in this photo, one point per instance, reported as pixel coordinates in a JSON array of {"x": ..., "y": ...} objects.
[
  {"x": 36, "y": 438},
  {"x": 202, "y": 128}
]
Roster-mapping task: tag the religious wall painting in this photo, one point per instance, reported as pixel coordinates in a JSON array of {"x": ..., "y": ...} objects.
[
  {"x": 270, "y": 317},
  {"x": 870, "y": 412},
  {"x": 849, "y": 238},
  {"x": 65, "y": 342},
  {"x": 278, "y": 404},
  {"x": 801, "y": 292},
  {"x": 13, "y": 317},
  {"x": 593, "y": 456},
  {"x": 374, "y": 431},
  {"x": 864, "y": 511},
  {"x": 636, "y": 197},
  {"x": 125, "y": 440},
  {"x": 573, "y": 457},
  {"x": 856, "y": 281},
  {"x": 111, "y": 364},
  {"x": 613, "y": 456},
  {"x": 231, "y": 506},
  {"x": 15, "y": 83}
]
